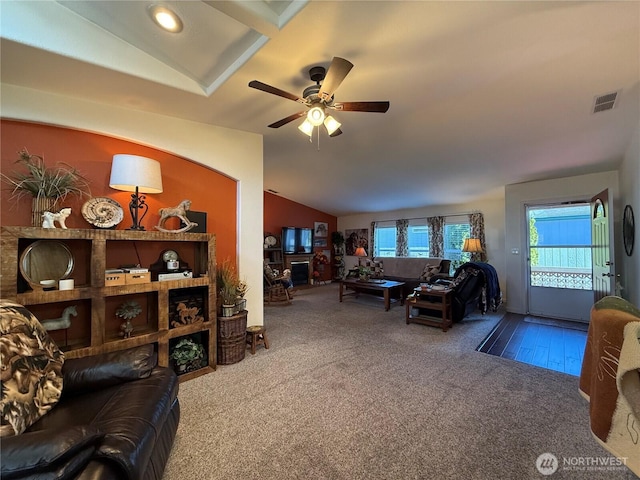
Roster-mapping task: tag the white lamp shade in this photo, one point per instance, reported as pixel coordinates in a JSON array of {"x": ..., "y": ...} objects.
[
  {"x": 306, "y": 128},
  {"x": 331, "y": 124},
  {"x": 131, "y": 171},
  {"x": 315, "y": 116}
]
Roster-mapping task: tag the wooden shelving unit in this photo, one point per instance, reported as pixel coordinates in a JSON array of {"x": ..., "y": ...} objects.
[{"x": 96, "y": 328}]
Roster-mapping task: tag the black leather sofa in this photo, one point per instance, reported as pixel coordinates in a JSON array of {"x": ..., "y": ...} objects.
[{"x": 116, "y": 419}]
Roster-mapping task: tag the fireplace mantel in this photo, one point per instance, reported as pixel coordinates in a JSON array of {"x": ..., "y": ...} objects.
[{"x": 300, "y": 257}]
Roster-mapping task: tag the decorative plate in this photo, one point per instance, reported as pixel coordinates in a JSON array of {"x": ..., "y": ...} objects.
[{"x": 102, "y": 212}]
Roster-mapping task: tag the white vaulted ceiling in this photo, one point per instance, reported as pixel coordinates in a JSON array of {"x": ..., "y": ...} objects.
[{"x": 482, "y": 94}]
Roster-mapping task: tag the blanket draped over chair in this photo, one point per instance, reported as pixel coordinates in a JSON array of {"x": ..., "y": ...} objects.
[
  {"x": 491, "y": 294},
  {"x": 610, "y": 378}
]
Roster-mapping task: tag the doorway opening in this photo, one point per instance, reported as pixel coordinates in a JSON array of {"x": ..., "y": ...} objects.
[{"x": 560, "y": 261}]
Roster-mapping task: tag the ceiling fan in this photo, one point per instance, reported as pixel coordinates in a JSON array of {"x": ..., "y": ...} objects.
[{"x": 319, "y": 97}]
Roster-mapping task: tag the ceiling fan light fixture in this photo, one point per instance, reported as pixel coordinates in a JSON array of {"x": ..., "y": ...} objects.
[
  {"x": 331, "y": 124},
  {"x": 315, "y": 116},
  {"x": 306, "y": 127},
  {"x": 166, "y": 19}
]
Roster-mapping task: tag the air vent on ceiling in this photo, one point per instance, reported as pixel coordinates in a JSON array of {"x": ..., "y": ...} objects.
[
  {"x": 605, "y": 102},
  {"x": 271, "y": 191}
]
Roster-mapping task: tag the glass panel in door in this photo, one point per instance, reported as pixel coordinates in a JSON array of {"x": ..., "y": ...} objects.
[{"x": 560, "y": 274}]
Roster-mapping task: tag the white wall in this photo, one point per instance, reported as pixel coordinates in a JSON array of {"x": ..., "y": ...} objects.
[
  {"x": 494, "y": 224},
  {"x": 630, "y": 195},
  {"x": 234, "y": 153},
  {"x": 517, "y": 196}
]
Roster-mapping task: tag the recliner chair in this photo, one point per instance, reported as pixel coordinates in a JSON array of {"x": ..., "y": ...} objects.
[{"x": 475, "y": 285}]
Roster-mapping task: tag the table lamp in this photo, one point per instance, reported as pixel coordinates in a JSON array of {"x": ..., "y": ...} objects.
[
  {"x": 360, "y": 252},
  {"x": 132, "y": 173},
  {"x": 472, "y": 245}
]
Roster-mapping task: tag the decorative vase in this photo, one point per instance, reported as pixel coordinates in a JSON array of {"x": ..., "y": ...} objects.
[
  {"x": 227, "y": 310},
  {"x": 241, "y": 304},
  {"x": 39, "y": 205}
]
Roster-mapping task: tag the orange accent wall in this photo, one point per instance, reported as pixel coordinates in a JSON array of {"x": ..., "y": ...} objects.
[
  {"x": 280, "y": 212},
  {"x": 91, "y": 154}
]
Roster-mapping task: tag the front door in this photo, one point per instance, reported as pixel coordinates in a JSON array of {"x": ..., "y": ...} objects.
[
  {"x": 603, "y": 271},
  {"x": 559, "y": 254}
]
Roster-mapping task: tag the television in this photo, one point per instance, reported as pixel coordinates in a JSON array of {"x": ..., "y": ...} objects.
[{"x": 297, "y": 240}]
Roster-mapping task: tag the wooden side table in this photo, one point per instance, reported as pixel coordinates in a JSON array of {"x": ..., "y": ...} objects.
[{"x": 435, "y": 300}]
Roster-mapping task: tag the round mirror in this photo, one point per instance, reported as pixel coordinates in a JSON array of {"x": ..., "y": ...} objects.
[{"x": 46, "y": 260}]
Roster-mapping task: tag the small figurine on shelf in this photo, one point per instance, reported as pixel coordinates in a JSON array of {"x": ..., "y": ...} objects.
[
  {"x": 49, "y": 218},
  {"x": 128, "y": 310},
  {"x": 179, "y": 211}
]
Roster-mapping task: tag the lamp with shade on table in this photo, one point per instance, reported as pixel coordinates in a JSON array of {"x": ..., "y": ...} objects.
[{"x": 133, "y": 173}]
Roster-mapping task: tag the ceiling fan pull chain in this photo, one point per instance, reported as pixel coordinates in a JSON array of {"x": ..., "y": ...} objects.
[{"x": 318, "y": 138}]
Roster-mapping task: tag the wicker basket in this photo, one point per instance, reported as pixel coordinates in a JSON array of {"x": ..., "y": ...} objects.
[{"x": 232, "y": 334}]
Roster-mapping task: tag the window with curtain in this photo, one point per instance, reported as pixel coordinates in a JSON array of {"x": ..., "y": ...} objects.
[
  {"x": 455, "y": 233},
  {"x": 385, "y": 239},
  {"x": 418, "y": 238}
]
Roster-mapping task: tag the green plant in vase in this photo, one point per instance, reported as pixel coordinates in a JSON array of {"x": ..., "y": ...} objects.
[
  {"x": 364, "y": 273},
  {"x": 227, "y": 283},
  {"x": 337, "y": 240},
  {"x": 47, "y": 186}
]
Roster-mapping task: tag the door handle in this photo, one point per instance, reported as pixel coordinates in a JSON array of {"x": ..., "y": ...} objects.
[
  {"x": 610, "y": 275},
  {"x": 608, "y": 263}
]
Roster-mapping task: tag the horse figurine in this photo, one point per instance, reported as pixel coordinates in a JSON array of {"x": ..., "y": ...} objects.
[
  {"x": 49, "y": 218},
  {"x": 63, "y": 322},
  {"x": 179, "y": 211}
]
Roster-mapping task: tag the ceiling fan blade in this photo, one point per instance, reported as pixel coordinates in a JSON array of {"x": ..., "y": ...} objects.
[
  {"x": 286, "y": 120},
  {"x": 338, "y": 70},
  {"x": 380, "y": 107},
  {"x": 275, "y": 91},
  {"x": 336, "y": 133}
]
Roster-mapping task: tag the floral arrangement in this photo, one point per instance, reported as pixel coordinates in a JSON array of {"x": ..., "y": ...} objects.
[{"x": 320, "y": 258}]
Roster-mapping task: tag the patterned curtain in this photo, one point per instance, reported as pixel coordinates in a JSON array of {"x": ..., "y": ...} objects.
[
  {"x": 402, "y": 238},
  {"x": 436, "y": 236},
  {"x": 372, "y": 243},
  {"x": 476, "y": 221}
]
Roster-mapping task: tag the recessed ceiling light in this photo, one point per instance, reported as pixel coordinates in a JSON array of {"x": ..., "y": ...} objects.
[{"x": 165, "y": 18}]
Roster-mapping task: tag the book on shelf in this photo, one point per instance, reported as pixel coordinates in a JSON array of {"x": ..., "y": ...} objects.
[
  {"x": 114, "y": 270},
  {"x": 136, "y": 270}
]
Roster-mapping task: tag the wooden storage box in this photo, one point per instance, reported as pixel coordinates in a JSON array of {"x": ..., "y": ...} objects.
[
  {"x": 113, "y": 279},
  {"x": 135, "y": 278}
]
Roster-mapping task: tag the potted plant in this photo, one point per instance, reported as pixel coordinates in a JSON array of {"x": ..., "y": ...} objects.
[
  {"x": 364, "y": 273},
  {"x": 241, "y": 290},
  {"x": 187, "y": 353},
  {"x": 128, "y": 311},
  {"x": 337, "y": 240},
  {"x": 227, "y": 284},
  {"x": 47, "y": 186},
  {"x": 319, "y": 261}
]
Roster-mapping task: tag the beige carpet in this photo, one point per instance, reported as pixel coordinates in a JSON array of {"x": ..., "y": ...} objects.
[{"x": 349, "y": 391}]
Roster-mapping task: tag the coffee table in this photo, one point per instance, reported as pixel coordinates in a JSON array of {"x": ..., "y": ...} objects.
[{"x": 387, "y": 287}]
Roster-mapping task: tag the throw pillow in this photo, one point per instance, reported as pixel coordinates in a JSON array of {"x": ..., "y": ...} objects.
[
  {"x": 429, "y": 271},
  {"x": 31, "y": 369}
]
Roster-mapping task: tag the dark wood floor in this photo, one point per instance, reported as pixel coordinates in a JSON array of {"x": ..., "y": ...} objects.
[{"x": 554, "y": 347}]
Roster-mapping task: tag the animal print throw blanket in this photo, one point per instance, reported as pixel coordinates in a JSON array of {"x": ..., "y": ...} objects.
[
  {"x": 610, "y": 378},
  {"x": 31, "y": 369}
]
